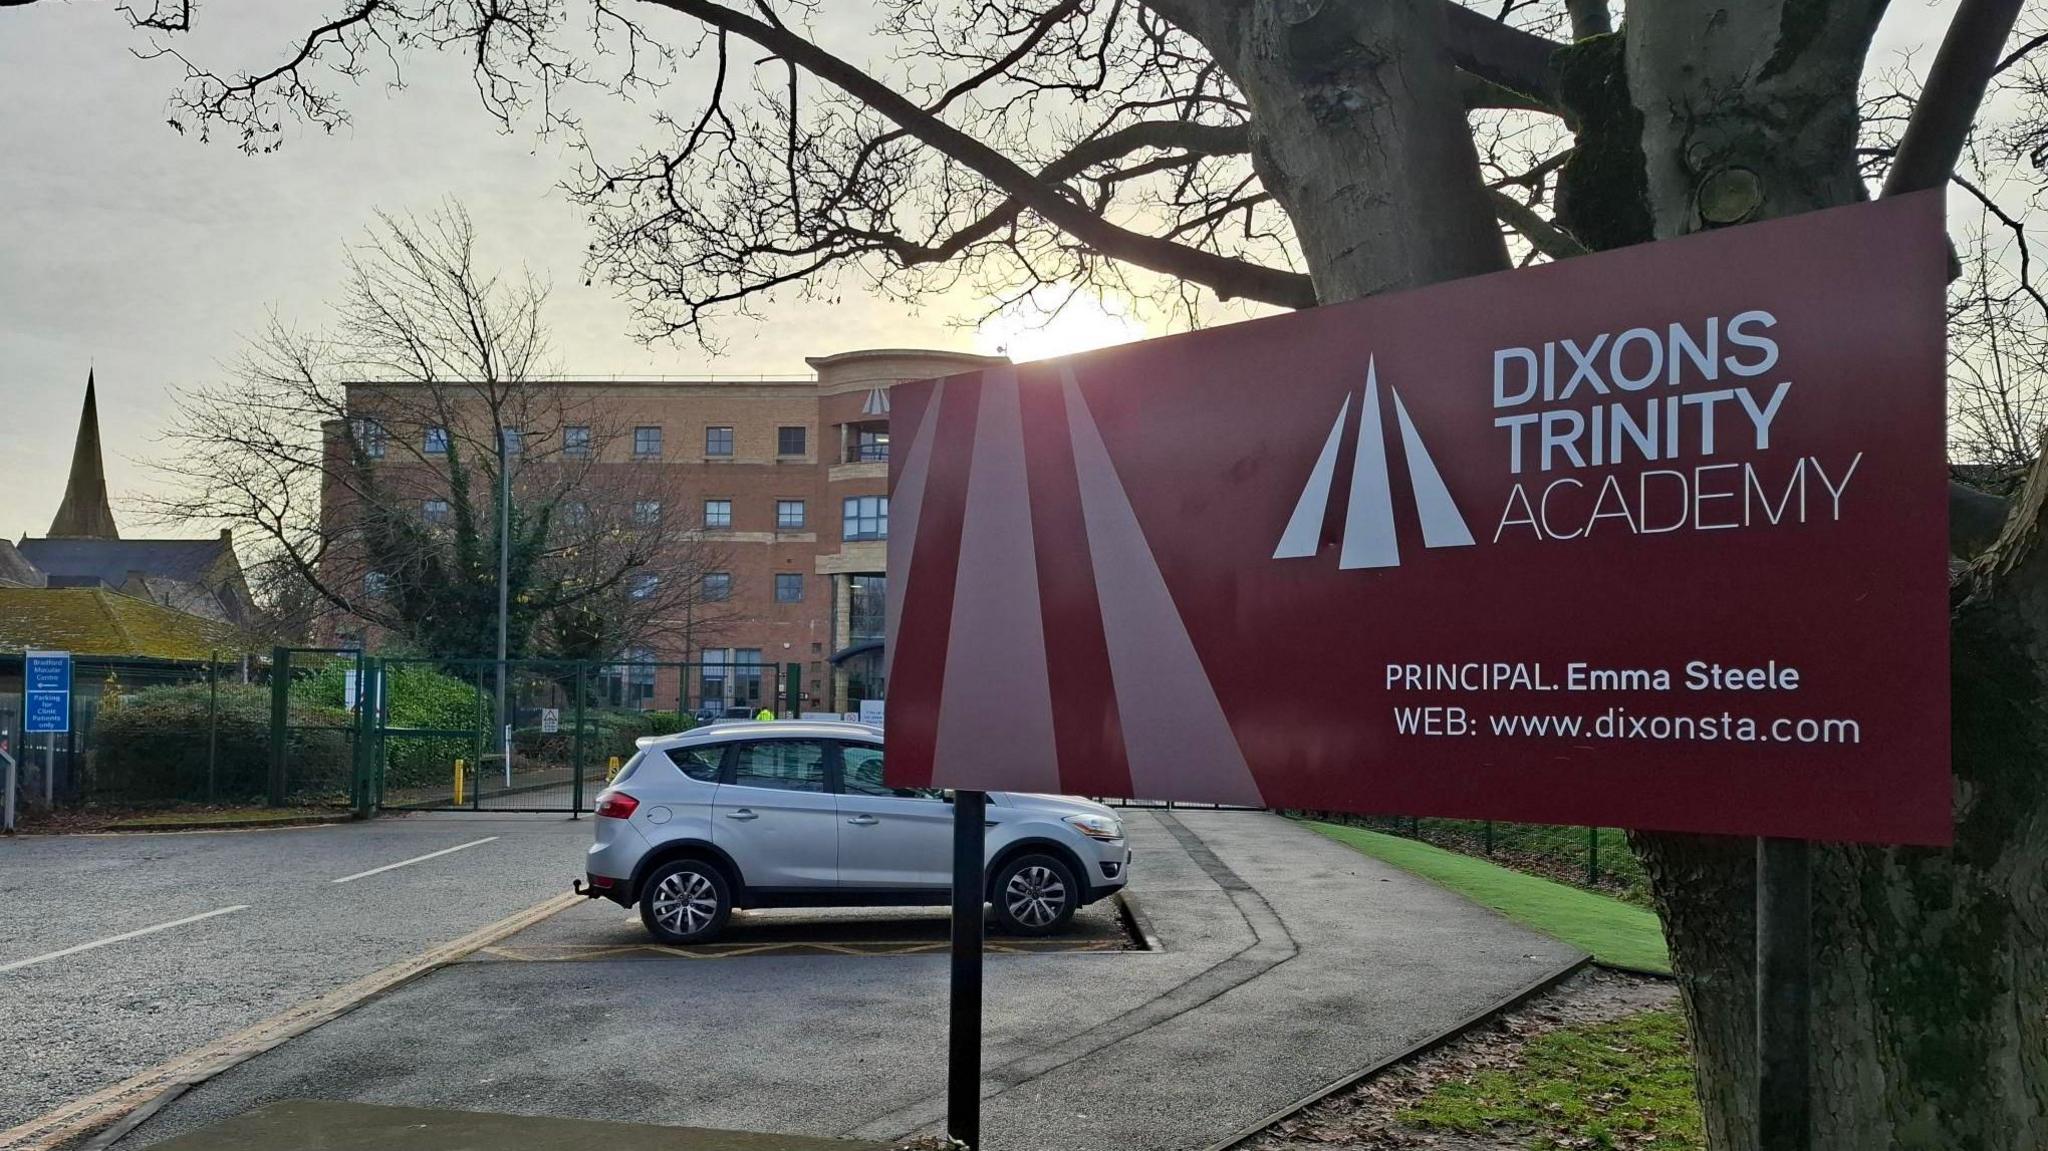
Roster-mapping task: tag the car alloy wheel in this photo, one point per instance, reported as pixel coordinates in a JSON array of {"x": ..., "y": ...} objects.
[
  {"x": 1035, "y": 894},
  {"x": 685, "y": 902}
]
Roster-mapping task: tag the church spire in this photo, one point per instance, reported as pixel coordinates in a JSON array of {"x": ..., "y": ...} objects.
[{"x": 84, "y": 513}]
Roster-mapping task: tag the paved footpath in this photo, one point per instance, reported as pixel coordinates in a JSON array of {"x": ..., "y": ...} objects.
[
  {"x": 120, "y": 952},
  {"x": 1289, "y": 961}
]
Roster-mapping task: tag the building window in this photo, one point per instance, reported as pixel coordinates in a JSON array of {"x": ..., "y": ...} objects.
[
  {"x": 434, "y": 511},
  {"x": 436, "y": 442},
  {"x": 576, "y": 441},
  {"x": 869, "y": 444},
  {"x": 645, "y": 585},
  {"x": 718, "y": 513},
  {"x": 575, "y": 513},
  {"x": 789, "y": 587},
  {"x": 789, "y": 441},
  {"x": 639, "y": 674},
  {"x": 717, "y": 441},
  {"x": 370, "y": 437},
  {"x": 789, "y": 515},
  {"x": 711, "y": 677},
  {"x": 376, "y": 585},
  {"x": 865, "y": 518},
  {"x": 646, "y": 443},
  {"x": 717, "y": 587},
  {"x": 647, "y": 512},
  {"x": 746, "y": 674},
  {"x": 867, "y": 608}
]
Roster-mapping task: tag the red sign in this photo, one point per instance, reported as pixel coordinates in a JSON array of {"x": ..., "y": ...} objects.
[{"x": 1654, "y": 538}]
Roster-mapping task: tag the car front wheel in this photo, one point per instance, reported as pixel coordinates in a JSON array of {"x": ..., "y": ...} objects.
[
  {"x": 687, "y": 901},
  {"x": 1035, "y": 895}
]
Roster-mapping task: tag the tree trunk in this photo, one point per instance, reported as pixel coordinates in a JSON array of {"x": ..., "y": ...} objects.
[
  {"x": 1358, "y": 131},
  {"x": 1930, "y": 967},
  {"x": 1930, "y": 1001}
]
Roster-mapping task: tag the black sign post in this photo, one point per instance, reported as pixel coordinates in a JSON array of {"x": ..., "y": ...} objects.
[
  {"x": 963, "y": 1026},
  {"x": 1784, "y": 974}
]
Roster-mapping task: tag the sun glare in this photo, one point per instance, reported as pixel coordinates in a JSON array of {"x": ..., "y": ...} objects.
[{"x": 1026, "y": 332}]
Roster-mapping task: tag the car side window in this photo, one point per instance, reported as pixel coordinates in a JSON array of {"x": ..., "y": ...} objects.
[
  {"x": 860, "y": 773},
  {"x": 780, "y": 764},
  {"x": 699, "y": 763}
]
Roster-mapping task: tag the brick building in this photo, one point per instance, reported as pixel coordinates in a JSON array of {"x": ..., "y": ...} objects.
[{"x": 787, "y": 480}]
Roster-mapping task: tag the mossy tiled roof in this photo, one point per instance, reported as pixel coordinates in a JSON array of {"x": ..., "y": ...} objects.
[{"x": 95, "y": 621}]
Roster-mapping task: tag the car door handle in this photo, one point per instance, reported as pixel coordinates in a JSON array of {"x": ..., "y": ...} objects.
[
  {"x": 863, "y": 821},
  {"x": 742, "y": 813}
]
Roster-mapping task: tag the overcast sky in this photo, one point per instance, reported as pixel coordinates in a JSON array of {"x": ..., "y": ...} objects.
[{"x": 128, "y": 247}]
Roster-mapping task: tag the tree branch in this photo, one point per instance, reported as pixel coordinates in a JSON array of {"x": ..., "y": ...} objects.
[
  {"x": 1514, "y": 59},
  {"x": 2019, "y": 232},
  {"x": 1228, "y": 278},
  {"x": 2019, "y": 53},
  {"x": 1542, "y": 235},
  {"x": 1948, "y": 102},
  {"x": 1589, "y": 18}
]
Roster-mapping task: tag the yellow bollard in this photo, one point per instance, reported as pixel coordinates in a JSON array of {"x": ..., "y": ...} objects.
[
  {"x": 611, "y": 769},
  {"x": 459, "y": 765}
]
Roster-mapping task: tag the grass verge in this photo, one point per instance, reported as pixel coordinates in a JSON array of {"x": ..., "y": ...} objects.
[
  {"x": 1627, "y": 1083},
  {"x": 1615, "y": 933}
]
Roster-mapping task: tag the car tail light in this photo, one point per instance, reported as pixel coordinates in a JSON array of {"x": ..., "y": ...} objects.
[{"x": 616, "y": 805}]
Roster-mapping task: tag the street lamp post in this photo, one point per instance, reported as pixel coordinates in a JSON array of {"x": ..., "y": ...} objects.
[{"x": 505, "y": 450}]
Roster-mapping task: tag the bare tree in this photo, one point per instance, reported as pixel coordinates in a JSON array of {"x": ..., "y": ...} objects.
[
  {"x": 1293, "y": 152},
  {"x": 362, "y": 459},
  {"x": 1998, "y": 368}
]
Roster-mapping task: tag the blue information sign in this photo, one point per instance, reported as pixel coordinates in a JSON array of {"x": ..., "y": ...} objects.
[{"x": 47, "y": 684}]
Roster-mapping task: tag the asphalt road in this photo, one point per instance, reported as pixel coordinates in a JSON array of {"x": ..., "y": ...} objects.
[
  {"x": 1289, "y": 961},
  {"x": 248, "y": 923}
]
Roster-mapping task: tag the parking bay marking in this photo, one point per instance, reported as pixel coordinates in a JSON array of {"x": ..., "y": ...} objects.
[
  {"x": 413, "y": 860},
  {"x": 583, "y": 952},
  {"x": 123, "y": 937}
]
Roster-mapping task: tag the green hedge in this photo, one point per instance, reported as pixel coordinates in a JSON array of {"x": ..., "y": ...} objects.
[
  {"x": 153, "y": 748},
  {"x": 418, "y": 697}
]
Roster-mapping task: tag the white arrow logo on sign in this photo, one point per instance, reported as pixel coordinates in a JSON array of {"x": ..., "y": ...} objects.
[{"x": 1369, "y": 515}]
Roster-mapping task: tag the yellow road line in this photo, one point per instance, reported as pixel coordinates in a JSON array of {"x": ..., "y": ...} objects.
[
  {"x": 102, "y": 1109},
  {"x": 578, "y": 952}
]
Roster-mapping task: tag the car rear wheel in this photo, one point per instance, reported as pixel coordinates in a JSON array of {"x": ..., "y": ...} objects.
[
  {"x": 1035, "y": 895},
  {"x": 687, "y": 901}
]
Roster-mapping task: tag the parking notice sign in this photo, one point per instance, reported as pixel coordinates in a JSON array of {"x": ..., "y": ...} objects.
[
  {"x": 1652, "y": 538},
  {"x": 46, "y": 691}
]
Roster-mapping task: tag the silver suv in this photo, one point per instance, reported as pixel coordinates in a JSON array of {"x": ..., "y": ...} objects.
[{"x": 795, "y": 814}]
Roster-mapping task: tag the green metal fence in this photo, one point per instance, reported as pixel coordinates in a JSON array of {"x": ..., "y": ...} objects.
[
  {"x": 318, "y": 700},
  {"x": 539, "y": 735},
  {"x": 274, "y": 727}
]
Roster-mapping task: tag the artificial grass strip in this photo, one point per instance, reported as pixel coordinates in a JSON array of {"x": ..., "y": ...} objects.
[{"x": 1613, "y": 932}]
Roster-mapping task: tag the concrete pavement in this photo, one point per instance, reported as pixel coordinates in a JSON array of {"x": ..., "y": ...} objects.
[{"x": 1290, "y": 961}]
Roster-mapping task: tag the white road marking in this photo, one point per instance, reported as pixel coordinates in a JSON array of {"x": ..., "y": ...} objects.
[
  {"x": 33, "y": 960},
  {"x": 413, "y": 860}
]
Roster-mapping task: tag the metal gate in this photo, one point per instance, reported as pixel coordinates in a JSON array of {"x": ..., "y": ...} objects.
[
  {"x": 320, "y": 701},
  {"x": 539, "y": 735}
]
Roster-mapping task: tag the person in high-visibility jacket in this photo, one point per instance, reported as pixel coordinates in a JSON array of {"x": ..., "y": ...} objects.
[{"x": 765, "y": 715}]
